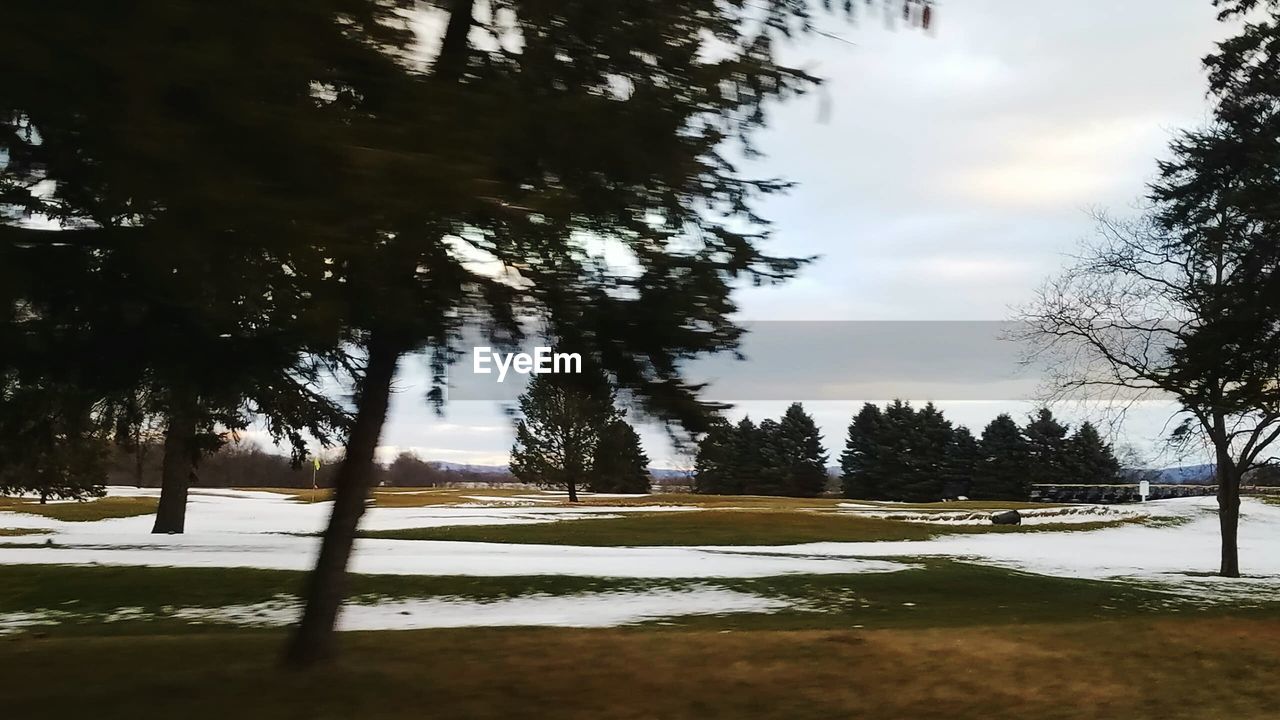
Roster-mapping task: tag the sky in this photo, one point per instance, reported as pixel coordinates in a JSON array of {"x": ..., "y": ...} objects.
[{"x": 941, "y": 176}]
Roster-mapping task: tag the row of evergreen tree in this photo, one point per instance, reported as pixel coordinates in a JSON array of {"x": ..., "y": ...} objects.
[
  {"x": 917, "y": 455},
  {"x": 776, "y": 457},
  {"x": 900, "y": 452}
]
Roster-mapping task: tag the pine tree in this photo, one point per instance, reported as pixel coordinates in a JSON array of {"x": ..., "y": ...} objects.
[
  {"x": 558, "y": 431},
  {"x": 774, "y": 461},
  {"x": 1089, "y": 459},
  {"x": 50, "y": 445},
  {"x": 619, "y": 465},
  {"x": 745, "y": 463},
  {"x": 929, "y": 441},
  {"x": 180, "y": 269},
  {"x": 805, "y": 463},
  {"x": 962, "y": 463},
  {"x": 713, "y": 467},
  {"x": 1002, "y": 469},
  {"x": 861, "y": 463},
  {"x": 1046, "y": 448}
]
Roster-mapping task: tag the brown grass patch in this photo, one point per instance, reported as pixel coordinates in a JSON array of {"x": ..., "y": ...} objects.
[
  {"x": 1135, "y": 670},
  {"x": 89, "y": 510}
]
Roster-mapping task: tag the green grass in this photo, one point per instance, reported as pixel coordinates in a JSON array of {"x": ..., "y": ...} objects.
[
  {"x": 15, "y": 532},
  {"x": 944, "y": 593},
  {"x": 709, "y": 527},
  {"x": 98, "y": 589},
  {"x": 89, "y": 510},
  {"x": 939, "y": 593},
  {"x": 1136, "y": 670}
]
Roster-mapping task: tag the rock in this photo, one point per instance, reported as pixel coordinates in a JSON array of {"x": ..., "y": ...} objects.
[{"x": 1006, "y": 517}]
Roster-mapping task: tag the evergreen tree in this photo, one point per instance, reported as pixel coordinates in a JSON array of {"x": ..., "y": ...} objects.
[
  {"x": 714, "y": 465},
  {"x": 745, "y": 463},
  {"x": 620, "y": 465},
  {"x": 558, "y": 432},
  {"x": 862, "y": 462},
  {"x": 1089, "y": 459},
  {"x": 186, "y": 216},
  {"x": 1046, "y": 448},
  {"x": 929, "y": 442},
  {"x": 805, "y": 460},
  {"x": 774, "y": 461},
  {"x": 962, "y": 463},
  {"x": 50, "y": 445},
  {"x": 1002, "y": 469}
]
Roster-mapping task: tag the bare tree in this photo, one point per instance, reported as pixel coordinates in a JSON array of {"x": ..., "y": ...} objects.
[{"x": 1147, "y": 314}]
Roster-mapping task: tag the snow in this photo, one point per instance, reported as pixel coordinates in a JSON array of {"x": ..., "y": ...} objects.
[
  {"x": 1176, "y": 548},
  {"x": 587, "y": 610},
  {"x": 1178, "y": 552},
  {"x": 236, "y": 528}
]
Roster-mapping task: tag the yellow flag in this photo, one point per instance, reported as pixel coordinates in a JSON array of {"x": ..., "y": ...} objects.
[{"x": 315, "y": 462}]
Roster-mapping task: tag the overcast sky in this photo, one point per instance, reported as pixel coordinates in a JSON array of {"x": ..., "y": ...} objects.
[{"x": 941, "y": 176}]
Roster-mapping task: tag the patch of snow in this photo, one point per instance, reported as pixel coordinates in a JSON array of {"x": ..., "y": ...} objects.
[
  {"x": 584, "y": 610},
  {"x": 15, "y": 622},
  {"x": 1165, "y": 554}
]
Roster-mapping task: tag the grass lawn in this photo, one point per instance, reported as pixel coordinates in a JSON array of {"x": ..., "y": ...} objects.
[
  {"x": 89, "y": 510},
  {"x": 710, "y": 527},
  {"x": 938, "y": 593},
  {"x": 1152, "y": 669}
]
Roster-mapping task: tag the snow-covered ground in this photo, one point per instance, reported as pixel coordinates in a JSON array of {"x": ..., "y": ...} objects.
[
  {"x": 238, "y": 528},
  {"x": 1176, "y": 547},
  {"x": 603, "y": 609}
]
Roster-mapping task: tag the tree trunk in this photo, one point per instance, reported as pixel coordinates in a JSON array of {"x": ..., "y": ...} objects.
[
  {"x": 176, "y": 469},
  {"x": 573, "y": 490},
  {"x": 312, "y": 642},
  {"x": 44, "y": 496},
  {"x": 1229, "y": 517}
]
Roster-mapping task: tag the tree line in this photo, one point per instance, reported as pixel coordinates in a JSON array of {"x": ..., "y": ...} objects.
[
  {"x": 917, "y": 455},
  {"x": 776, "y": 457},
  {"x": 902, "y": 453}
]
